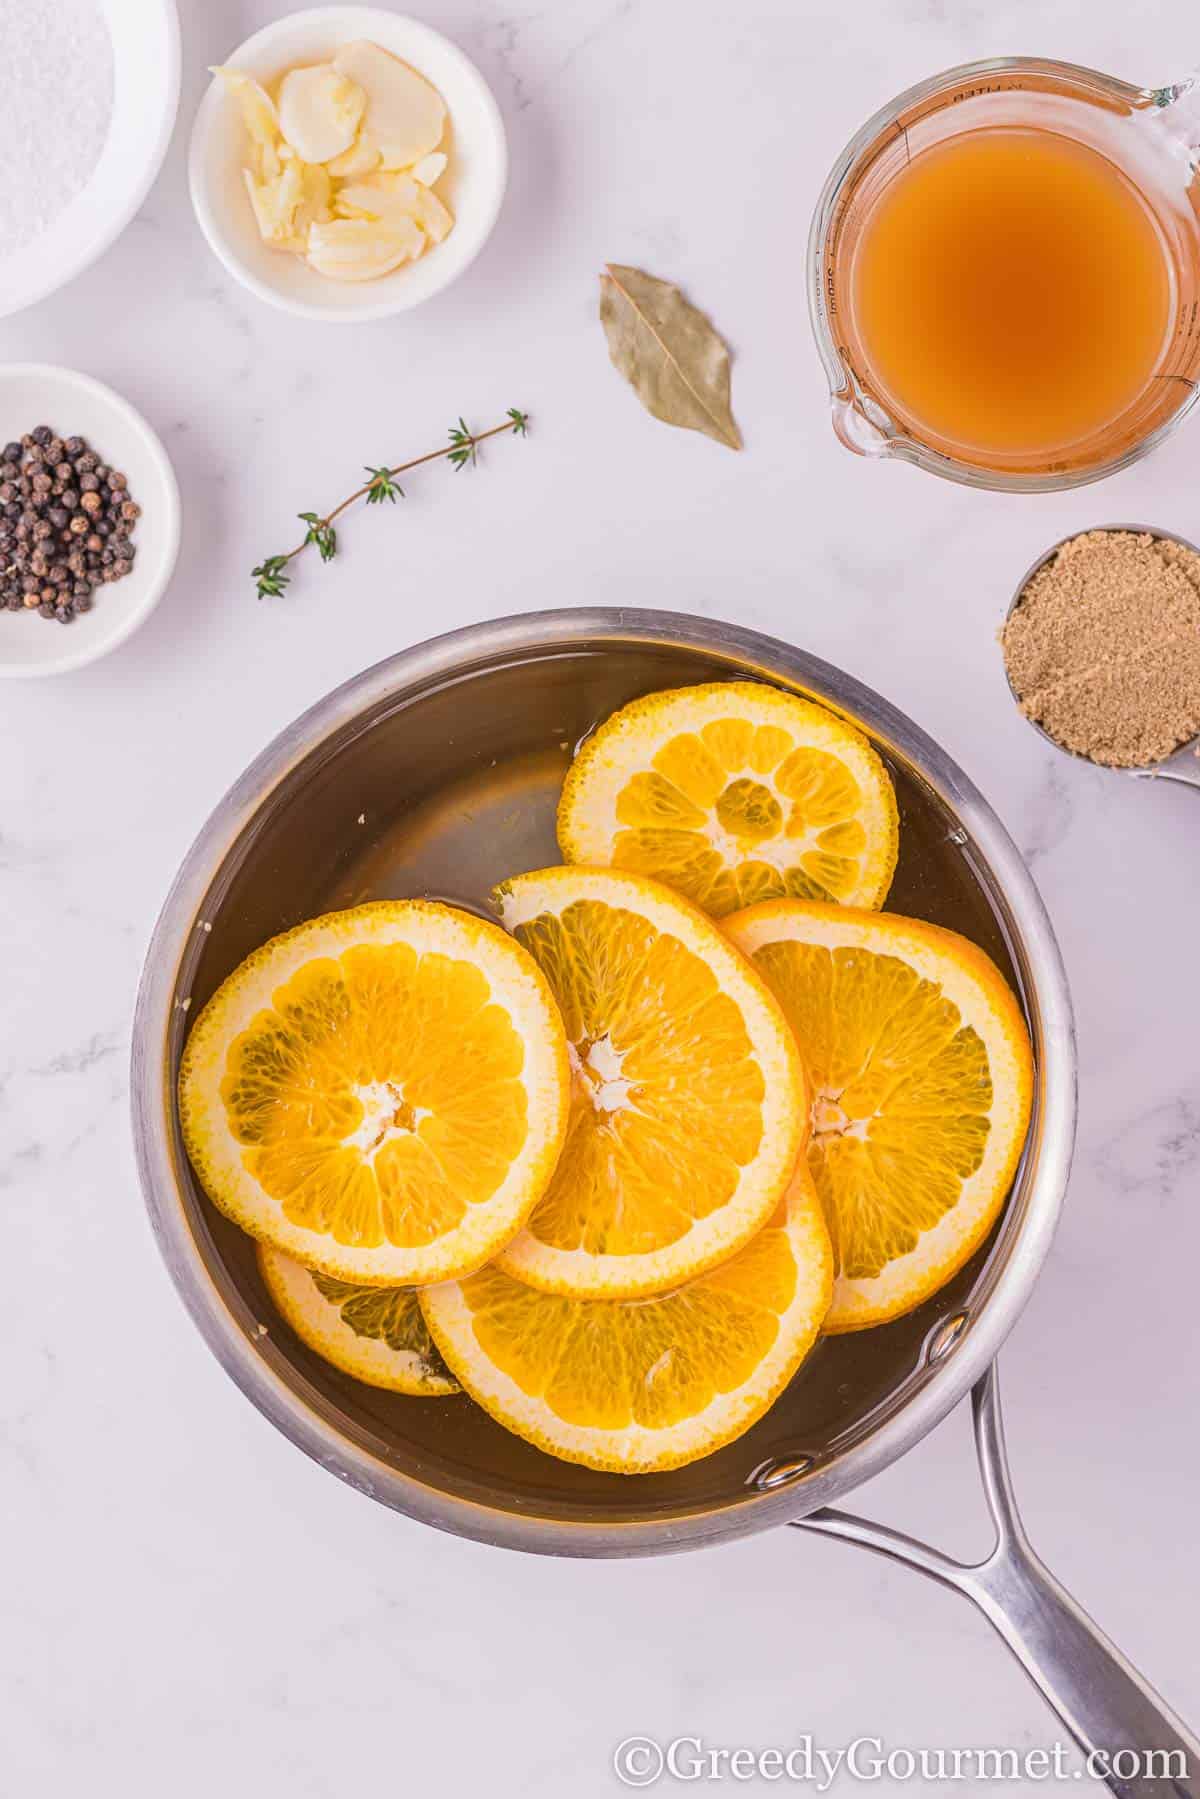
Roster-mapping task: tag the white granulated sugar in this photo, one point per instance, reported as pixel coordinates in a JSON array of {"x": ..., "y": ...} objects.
[{"x": 56, "y": 69}]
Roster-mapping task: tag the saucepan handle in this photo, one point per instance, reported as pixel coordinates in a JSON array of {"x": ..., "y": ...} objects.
[{"x": 1136, "y": 1745}]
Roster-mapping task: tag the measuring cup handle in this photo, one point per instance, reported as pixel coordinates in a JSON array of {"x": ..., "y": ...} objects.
[
  {"x": 1183, "y": 767},
  {"x": 1115, "y": 1716}
]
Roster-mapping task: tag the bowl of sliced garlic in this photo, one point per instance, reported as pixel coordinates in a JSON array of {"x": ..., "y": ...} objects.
[{"x": 347, "y": 163}]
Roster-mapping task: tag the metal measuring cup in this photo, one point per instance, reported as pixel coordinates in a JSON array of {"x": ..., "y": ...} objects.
[{"x": 1183, "y": 764}]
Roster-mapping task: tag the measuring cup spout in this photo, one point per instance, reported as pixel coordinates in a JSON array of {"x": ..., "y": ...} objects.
[{"x": 1175, "y": 112}]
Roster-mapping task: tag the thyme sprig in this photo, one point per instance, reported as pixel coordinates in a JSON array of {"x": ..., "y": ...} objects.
[
  {"x": 271, "y": 577},
  {"x": 322, "y": 534},
  {"x": 382, "y": 486},
  {"x": 464, "y": 446}
]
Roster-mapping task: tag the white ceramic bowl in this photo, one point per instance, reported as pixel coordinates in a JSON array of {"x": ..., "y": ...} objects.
[
  {"x": 473, "y": 185},
  {"x": 145, "y": 41},
  {"x": 32, "y": 394}
]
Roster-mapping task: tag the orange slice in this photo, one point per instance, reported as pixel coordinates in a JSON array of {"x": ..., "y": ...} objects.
[
  {"x": 922, "y": 1077},
  {"x": 641, "y": 1385},
  {"x": 381, "y": 1093},
  {"x": 377, "y": 1334},
  {"x": 734, "y": 793},
  {"x": 688, "y": 1102}
]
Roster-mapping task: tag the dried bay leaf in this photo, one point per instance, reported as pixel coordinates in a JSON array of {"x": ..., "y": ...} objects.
[{"x": 668, "y": 352}]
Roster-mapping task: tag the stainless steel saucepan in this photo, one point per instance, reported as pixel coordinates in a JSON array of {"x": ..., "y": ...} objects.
[{"x": 436, "y": 773}]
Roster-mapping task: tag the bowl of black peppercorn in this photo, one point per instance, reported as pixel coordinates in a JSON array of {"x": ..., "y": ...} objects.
[{"x": 89, "y": 520}]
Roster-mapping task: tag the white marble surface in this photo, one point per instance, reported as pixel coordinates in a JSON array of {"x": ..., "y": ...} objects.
[{"x": 189, "y": 1604}]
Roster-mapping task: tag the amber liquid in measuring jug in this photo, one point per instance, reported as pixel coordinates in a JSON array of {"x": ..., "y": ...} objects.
[{"x": 1013, "y": 293}]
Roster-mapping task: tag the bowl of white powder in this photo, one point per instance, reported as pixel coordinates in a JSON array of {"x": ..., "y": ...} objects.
[{"x": 91, "y": 89}]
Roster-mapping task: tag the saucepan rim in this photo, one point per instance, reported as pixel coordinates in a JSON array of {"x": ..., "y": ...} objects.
[{"x": 495, "y": 642}]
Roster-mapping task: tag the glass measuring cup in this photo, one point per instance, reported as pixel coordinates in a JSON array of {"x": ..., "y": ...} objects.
[{"x": 1153, "y": 138}]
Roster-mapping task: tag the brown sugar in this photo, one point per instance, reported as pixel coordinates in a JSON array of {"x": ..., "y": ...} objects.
[{"x": 1103, "y": 647}]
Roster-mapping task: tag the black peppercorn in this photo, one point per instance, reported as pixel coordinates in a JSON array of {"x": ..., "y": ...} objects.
[{"x": 66, "y": 524}]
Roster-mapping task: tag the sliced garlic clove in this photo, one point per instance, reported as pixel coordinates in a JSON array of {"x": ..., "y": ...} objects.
[
  {"x": 386, "y": 197},
  {"x": 272, "y": 210},
  {"x": 258, "y": 115},
  {"x": 315, "y": 206},
  {"x": 435, "y": 220},
  {"x": 429, "y": 170},
  {"x": 319, "y": 112},
  {"x": 285, "y": 205},
  {"x": 393, "y": 196},
  {"x": 405, "y": 116},
  {"x": 361, "y": 249},
  {"x": 359, "y": 159}
]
